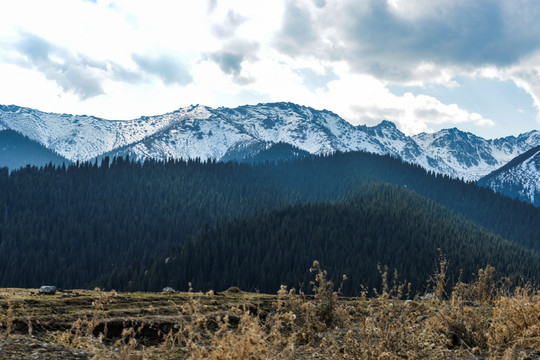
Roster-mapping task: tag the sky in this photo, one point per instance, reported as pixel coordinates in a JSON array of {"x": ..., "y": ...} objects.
[{"x": 423, "y": 64}]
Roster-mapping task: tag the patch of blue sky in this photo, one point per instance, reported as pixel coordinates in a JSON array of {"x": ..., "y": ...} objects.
[{"x": 510, "y": 107}]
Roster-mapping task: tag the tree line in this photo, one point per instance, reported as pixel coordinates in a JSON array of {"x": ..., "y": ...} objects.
[
  {"x": 382, "y": 226},
  {"x": 70, "y": 225}
]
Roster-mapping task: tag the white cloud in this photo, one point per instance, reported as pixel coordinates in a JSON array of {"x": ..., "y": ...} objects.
[
  {"x": 134, "y": 57},
  {"x": 528, "y": 78},
  {"x": 525, "y": 74},
  {"x": 363, "y": 99}
]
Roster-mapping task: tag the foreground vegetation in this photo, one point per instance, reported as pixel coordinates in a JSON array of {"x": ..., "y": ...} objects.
[{"x": 483, "y": 319}]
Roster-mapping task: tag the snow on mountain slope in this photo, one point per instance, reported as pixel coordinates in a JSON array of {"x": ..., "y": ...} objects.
[
  {"x": 85, "y": 137},
  {"x": 231, "y": 131},
  {"x": 206, "y": 133},
  {"x": 519, "y": 178},
  {"x": 398, "y": 144},
  {"x": 224, "y": 129},
  {"x": 318, "y": 132},
  {"x": 472, "y": 157}
]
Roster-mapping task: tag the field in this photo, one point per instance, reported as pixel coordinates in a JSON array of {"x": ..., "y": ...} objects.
[{"x": 481, "y": 320}]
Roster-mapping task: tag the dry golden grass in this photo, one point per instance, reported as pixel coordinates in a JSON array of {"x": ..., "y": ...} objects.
[{"x": 483, "y": 319}]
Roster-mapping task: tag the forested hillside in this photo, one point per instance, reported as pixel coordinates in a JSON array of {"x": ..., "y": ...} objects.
[
  {"x": 70, "y": 225},
  {"x": 383, "y": 225},
  {"x": 17, "y": 151},
  {"x": 520, "y": 178}
]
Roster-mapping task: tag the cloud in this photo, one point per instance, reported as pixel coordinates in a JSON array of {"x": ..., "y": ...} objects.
[
  {"x": 393, "y": 39},
  {"x": 363, "y": 99},
  {"x": 468, "y": 33},
  {"x": 58, "y": 65},
  {"x": 298, "y": 32},
  {"x": 212, "y": 4},
  {"x": 169, "y": 69},
  {"x": 314, "y": 80},
  {"x": 319, "y": 3},
  {"x": 232, "y": 55},
  {"x": 373, "y": 114},
  {"x": 227, "y": 29},
  {"x": 526, "y": 77},
  {"x": 73, "y": 73},
  {"x": 334, "y": 54},
  {"x": 414, "y": 114}
]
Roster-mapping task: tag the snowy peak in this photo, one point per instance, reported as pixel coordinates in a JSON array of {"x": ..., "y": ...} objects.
[
  {"x": 202, "y": 132},
  {"x": 472, "y": 156},
  {"x": 520, "y": 178},
  {"x": 386, "y": 124},
  {"x": 81, "y": 137},
  {"x": 462, "y": 151}
]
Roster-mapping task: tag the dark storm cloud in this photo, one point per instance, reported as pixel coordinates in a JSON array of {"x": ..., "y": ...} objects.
[
  {"x": 231, "y": 57},
  {"x": 227, "y": 29},
  {"x": 374, "y": 37},
  {"x": 74, "y": 73},
  {"x": 168, "y": 68}
]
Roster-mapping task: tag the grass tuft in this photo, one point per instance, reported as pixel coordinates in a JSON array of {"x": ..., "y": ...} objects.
[{"x": 481, "y": 319}]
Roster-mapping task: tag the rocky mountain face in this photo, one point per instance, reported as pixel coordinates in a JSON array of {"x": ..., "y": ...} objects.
[
  {"x": 243, "y": 132},
  {"x": 520, "y": 178}
]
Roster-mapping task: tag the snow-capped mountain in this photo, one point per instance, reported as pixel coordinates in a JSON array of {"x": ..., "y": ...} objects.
[
  {"x": 519, "y": 178},
  {"x": 472, "y": 157},
  {"x": 224, "y": 134},
  {"x": 85, "y": 137}
]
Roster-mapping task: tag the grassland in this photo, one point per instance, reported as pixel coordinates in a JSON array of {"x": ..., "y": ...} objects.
[{"x": 484, "y": 320}]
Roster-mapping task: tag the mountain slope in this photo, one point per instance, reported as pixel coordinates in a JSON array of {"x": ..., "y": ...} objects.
[
  {"x": 227, "y": 131},
  {"x": 17, "y": 151},
  {"x": 520, "y": 178},
  {"x": 385, "y": 225},
  {"x": 68, "y": 226},
  {"x": 471, "y": 156},
  {"x": 206, "y": 133},
  {"x": 85, "y": 137}
]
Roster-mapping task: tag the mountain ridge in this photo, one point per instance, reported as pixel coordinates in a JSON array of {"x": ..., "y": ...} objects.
[
  {"x": 198, "y": 131},
  {"x": 519, "y": 178}
]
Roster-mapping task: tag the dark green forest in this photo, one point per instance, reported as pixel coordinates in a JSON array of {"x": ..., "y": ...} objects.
[
  {"x": 383, "y": 225},
  {"x": 71, "y": 225}
]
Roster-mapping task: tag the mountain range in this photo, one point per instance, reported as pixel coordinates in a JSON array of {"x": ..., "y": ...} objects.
[{"x": 247, "y": 131}]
